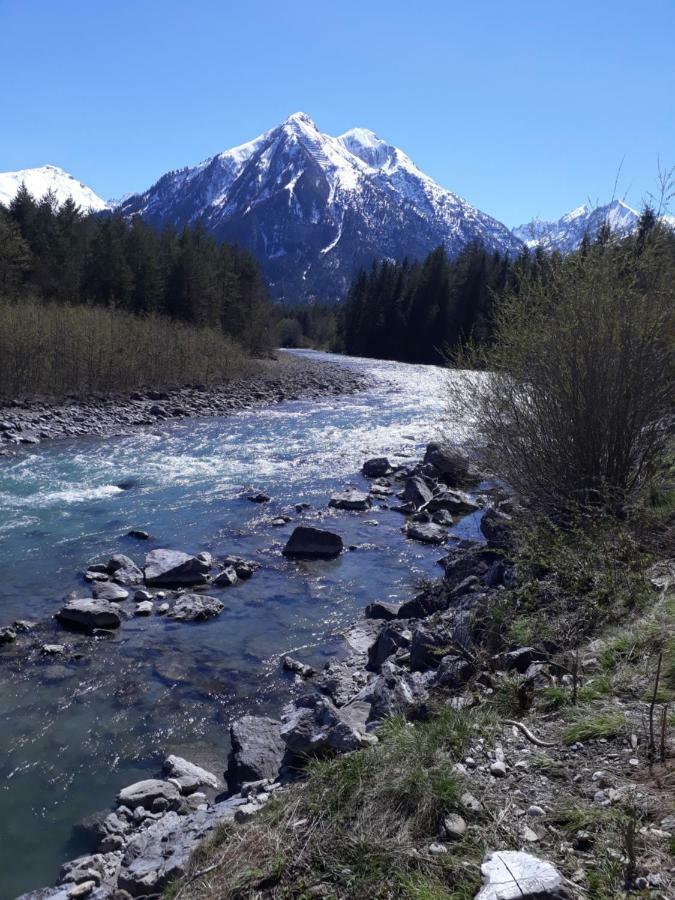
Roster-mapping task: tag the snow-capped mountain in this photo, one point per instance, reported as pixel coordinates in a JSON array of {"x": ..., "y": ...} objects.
[
  {"x": 49, "y": 178},
  {"x": 568, "y": 232},
  {"x": 314, "y": 208}
]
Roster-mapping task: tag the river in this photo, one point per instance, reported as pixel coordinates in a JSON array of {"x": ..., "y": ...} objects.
[{"x": 71, "y": 735}]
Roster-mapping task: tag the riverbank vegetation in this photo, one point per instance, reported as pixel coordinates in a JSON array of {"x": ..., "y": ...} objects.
[
  {"x": 103, "y": 271},
  {"x": 55, "y": 350}
]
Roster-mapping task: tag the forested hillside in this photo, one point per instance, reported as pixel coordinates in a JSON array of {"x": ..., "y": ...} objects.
[{"x": 56, "y": 253}]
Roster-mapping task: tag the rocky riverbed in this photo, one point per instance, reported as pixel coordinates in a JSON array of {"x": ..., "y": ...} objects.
[
  {"x": 289, "y": 377},
  {"x": 402, "y": 659}
]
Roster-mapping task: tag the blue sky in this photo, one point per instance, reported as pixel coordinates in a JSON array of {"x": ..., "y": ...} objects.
[{"x": 524, "y": 108}]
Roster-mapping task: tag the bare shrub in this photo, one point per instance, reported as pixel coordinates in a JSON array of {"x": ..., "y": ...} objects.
[
  {"x": 583, "y": 379},
  {"x": 53, "y": 350}
]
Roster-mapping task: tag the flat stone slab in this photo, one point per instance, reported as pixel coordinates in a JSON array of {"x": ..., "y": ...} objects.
[
  {"x": 426, "y": 533},
  {"x": 144, "y": 793},
  {"x": 512, "y": 875}
]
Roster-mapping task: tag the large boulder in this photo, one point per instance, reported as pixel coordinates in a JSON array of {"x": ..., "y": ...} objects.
[
  {"x": 313, "y": 543},
  {"x": 450, "y": 464},
  {"x": 417, "y": 492},
  {"x": 390, "y": 639},
  {"x": 144, "y": 793},
  {"x": 315, "y": 727},
  {"x": 377, "y": 467},
  {"x": 496, "y": 527},
  {"x": 188, "y": 777},
  {"x": 89, "y": 614},
  {"x": 427, "y": 648},
  {"x": 457, "y": 503},
  {"x": 195, "y": 608},
  {"x": 350, "y": 500},
  {"x": 512, "y": 875},
  {"x": 257, "y": 750},
  {"x": 171, "y": 567}
]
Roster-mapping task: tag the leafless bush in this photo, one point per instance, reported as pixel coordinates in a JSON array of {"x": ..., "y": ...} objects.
[{"x": 53, "y": 350}]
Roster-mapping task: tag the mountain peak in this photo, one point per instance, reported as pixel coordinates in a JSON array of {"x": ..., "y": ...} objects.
[
  {"x": 300, "y": 118},
  {"x": 42, "y": 180}
]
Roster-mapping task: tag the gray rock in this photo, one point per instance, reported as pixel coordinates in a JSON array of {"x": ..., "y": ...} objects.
[
  {"x": 144, "y": 793},
  {"x": 195, "y": 608},
  {"x": 381, "y": 610},
  {"x": 227, "y": 578},
  {"x": 124, "y": 570},
  {"x": 89, "y": 614},
  {"x": 108, "y": 590},
  {"x": 391, "y": 638},
  {"x": 512, "y": 875},
  {"x": 498, "y": 769},
  {"x": 139, "y": 534},
  {"x": 257, "y": 750},
  {"x": 356, "y": 500},
  {"x": 187, "y": 776},
  {"x": 298, "y": 668},
  {"x": 454, "y": 827},
  {"x": 7, "y": 635},
  {"x": 101, "y": 868},
  {"x": 144, "y": 608},
  {"x": 426, "y": 532},
  {"x": 377, "y": 467},
  {"x": 416, "y": 492},
  {"x": 142, "y": 595},
  {"x": 259, "y": 497},
  {"x": 455, "y": 502},
  {"x": 314, "y": 726},
  {"x": 496, "y": 527},
  {"x": 160, "y": 853},
  {"x": 428, "y": 647},
  {"x": 450, "y": 464},
  {"x": 313, "y": 543},
  {"x": 171, "y": 567}
]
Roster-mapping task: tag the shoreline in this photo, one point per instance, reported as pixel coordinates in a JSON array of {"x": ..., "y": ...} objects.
[{"x": 286, "y": 377}]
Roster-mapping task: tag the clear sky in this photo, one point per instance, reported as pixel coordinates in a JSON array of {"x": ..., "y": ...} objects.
[{"x": 524, "y": 108}]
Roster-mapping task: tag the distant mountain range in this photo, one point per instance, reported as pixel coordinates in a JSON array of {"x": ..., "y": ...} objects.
[{"x": 314, "y": 208}]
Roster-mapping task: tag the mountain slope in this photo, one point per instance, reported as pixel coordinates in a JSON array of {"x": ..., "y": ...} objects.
[
  {"x": 568, "y": 232},
  {"x": 314, "y": 208},
  {"x": 41, "y": 180}
]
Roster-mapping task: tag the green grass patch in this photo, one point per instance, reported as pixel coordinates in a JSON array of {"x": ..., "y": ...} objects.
[{"x": 593, "y": 724}]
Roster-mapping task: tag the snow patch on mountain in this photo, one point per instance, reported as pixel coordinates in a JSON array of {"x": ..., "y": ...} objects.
[
  {"x": 42, "y": 180},
  {"x": 567, "y": 233}
]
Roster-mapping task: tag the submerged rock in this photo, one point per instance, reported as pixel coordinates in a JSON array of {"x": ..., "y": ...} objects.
[
  {"x": 512, "y": 875},
  {"x": 7, "y": 635},
  {"x": 313, "y": 543},
  {"x": 89, "y": 614},
  {"x": 257, "y": 750},
  {"x": 171, "y": 567}
]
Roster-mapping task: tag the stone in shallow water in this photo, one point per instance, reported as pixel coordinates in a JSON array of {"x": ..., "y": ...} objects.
[
  {"x": 173, "y": 567},
  {"x": 107, "y": 590},
  {"x": 376, "y": 467},
  {"x": 89, "y": 614},
  {"x": 350, "y": 500},
  {"x": 512, "y": 875},
  {"x": 313, "y": 543},
  {"x": 426, "y": 533},
  {"x": 195, "y": 608}
]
